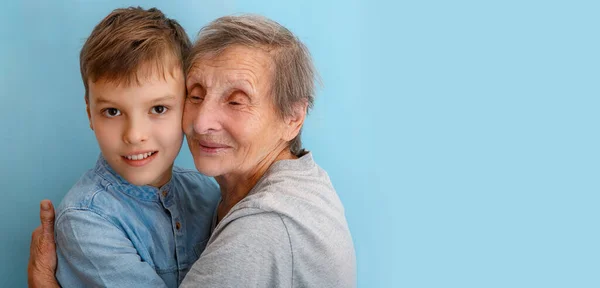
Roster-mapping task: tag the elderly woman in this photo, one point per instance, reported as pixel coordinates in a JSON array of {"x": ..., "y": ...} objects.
[{"x": 280, "y": 223}]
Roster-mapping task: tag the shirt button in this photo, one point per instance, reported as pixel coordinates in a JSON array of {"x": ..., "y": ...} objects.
[
  {"x": 164, "y": 193},
  {"x": 177, "y": 225}
]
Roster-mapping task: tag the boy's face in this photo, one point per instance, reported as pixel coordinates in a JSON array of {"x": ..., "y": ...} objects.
[{"x": 138, "y": 127}]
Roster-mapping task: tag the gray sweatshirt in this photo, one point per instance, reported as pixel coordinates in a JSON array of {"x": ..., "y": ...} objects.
[{"x": 289, "y": 231}]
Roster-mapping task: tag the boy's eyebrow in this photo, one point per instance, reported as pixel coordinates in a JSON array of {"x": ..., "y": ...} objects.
[
  {"x": 100, "y": 100},
  {"x": 162, "y": 99},
  {"x": 169, "y": 97}
]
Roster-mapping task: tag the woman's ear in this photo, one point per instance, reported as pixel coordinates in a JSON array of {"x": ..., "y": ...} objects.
[{"x": 295, "y": 121}]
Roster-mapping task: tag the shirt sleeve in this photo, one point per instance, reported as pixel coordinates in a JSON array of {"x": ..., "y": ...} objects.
[
  {"x": 250, "y": 251},
  {"x": 93, "y": 252}
]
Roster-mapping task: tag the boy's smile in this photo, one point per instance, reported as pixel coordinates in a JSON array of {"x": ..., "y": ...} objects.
[{"x": 138, "y": 159}]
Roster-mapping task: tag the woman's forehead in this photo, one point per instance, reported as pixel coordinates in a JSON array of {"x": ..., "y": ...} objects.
[{"x": 234, "y": 66}]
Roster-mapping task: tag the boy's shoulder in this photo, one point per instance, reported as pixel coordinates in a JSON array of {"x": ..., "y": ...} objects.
[
  {"x": 97, "y": 194},
  {"x": 90, "y": 192}
]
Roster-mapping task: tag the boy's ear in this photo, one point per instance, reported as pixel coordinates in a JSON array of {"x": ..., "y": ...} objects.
[
  {"x": 87, "y": 109},
  {"x": 294, "y": 122}
]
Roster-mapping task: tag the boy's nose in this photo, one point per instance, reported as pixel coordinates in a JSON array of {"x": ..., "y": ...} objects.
[{"x": 135, "y": 133}]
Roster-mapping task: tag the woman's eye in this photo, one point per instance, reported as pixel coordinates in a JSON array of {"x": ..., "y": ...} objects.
[
  {"x": 159, "y": 109},
  {"x": 111, "y": 112},
  {"x": 237, "y": 98},
  {"x": 195, "y": 99}
]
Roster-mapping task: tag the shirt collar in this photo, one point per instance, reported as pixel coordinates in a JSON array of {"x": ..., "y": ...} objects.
[{"x": 146, "y": 192}]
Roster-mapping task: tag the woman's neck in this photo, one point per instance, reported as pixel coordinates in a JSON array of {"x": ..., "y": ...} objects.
[{"x": 234, "y": 187}]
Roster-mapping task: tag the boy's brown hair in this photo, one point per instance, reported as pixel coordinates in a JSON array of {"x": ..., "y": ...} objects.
[{"x": 128, "y": 38}]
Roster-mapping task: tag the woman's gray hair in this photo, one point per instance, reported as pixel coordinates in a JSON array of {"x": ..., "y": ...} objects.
[{"x": 294, "y": 73}]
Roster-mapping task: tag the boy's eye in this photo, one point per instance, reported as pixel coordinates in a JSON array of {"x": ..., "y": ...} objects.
[
  {"x": 159, "y": 109},
  {"x": 111, "y": 112}
]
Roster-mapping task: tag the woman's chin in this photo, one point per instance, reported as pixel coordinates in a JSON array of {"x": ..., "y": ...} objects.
[{"x": 208, "y": 169}]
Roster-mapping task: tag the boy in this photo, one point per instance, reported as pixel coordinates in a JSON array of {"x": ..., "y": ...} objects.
[{"x": 134, "y": 219}]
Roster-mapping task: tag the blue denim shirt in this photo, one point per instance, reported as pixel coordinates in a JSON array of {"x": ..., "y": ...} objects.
[{"x": 110, "y": 233}]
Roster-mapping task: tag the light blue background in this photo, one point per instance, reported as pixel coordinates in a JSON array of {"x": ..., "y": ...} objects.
[{"x": 462, "y": 136}]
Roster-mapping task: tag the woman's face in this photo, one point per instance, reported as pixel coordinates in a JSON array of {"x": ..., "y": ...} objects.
[{"x": 230, "y": 120}]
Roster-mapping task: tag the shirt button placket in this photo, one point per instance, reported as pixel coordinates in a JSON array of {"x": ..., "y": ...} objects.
[{"x": 179, "y": 248}]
